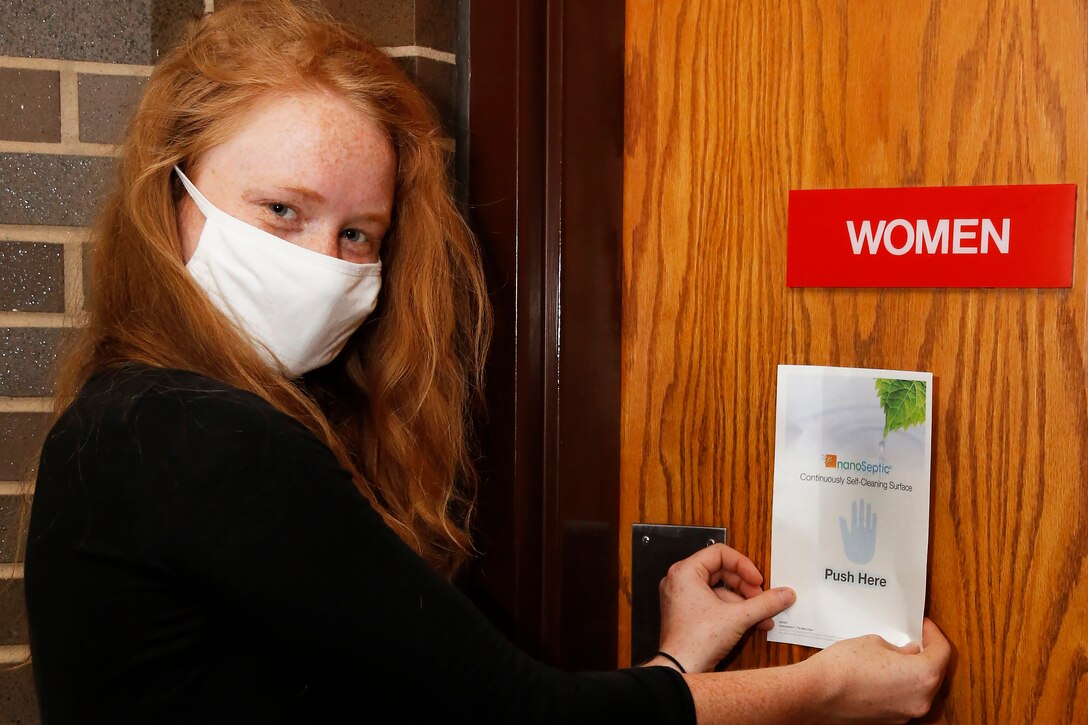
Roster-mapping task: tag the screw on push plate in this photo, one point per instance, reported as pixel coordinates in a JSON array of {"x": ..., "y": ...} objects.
[
  {"x": 645, "y": 539},
  {"x": 710, "y": 542}
]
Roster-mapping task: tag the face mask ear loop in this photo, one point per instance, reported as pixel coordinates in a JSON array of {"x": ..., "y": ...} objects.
[{"x": 206, "y": 207}]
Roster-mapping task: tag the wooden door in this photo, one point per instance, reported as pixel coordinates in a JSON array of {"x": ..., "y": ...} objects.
[{"x": 729, "y": 104}]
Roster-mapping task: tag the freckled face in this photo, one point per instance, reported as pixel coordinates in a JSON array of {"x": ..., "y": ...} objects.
[{"x": 310, "y": 169}]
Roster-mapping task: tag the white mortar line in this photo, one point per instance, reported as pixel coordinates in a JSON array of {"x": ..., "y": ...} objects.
[
  {"x": 38, "y": 319},
  {"x": 16, "y": 488},
  {"x": 14, "y": 654},
  {"x": 131, "y": 69},
  {"x": 25, "y": 405},
  {"x": 42, "y": 233},
  {"x": 69, "y": 107},
  {"x": 11, "y": 571},
  {"x": 73, "y": 277},
  {"x": 66, "y": 148},
  {"x": 420, "y": 51},
  {"x": 78, "y": 66}
]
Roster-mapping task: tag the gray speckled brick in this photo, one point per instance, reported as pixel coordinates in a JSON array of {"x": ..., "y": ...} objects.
[
  {"x": 14, "y": 510},
  {"x": 18, "y": 701},
  {"x": 438, "y": 81},
  {"x": 436, "y": 24},
  {"x": 31, "y": 277},
  {"x": 12, "y": 612},
  {"x": 21, "y": 435},
  {"x": 170, "y": 19},
  {"x": 88, "y": 254},
  {"x": 384, "y": 22},
  {"x": 114, "y": 31},
  {"x": 47, "y": 189},
  {"x": 105, "y": 105},
  {"x": 29, "y": 105},
  {"x": 28, "y": 357}
]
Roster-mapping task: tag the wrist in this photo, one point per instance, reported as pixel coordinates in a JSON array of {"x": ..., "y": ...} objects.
[
  {"x": 691, "y": 659},
  {"x": 659, "y": 661},
  {"x": 817, "y": 685}
]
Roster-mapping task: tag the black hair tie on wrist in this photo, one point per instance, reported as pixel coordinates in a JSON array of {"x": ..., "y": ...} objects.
[{"x": 672, "y": 659}]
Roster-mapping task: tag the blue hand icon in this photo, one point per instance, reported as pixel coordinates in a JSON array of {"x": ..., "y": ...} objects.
[{"x": 859, "y": 540}]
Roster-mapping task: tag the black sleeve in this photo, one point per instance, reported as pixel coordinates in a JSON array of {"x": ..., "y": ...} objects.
[{"x": 249, "y": 505}]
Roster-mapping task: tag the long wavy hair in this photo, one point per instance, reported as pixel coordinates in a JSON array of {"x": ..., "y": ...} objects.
[{"x": 395, "y": 406}]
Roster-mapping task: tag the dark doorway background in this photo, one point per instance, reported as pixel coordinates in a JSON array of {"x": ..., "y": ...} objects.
[{"x": 540, "y": 159}]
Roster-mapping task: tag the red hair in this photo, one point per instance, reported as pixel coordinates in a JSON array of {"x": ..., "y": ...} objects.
[{"x": 394, "y": 406}]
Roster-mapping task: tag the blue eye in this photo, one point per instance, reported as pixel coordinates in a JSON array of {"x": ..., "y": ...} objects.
[
  {"x": 280, "y": 210},
  {"x": 354, "y": 235}
]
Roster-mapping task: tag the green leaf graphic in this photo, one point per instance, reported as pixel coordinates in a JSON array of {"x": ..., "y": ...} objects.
[{"x": 903, "y": 401}]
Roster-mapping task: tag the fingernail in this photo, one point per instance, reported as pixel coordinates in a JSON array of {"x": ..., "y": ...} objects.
[{"x": 787, "y": 595}]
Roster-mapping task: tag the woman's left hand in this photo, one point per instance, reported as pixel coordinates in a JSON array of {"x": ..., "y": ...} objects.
[{"x": 701, "y": 622}]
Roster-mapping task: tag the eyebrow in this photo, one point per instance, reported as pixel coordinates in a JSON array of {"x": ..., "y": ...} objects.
[{"x": 308, "y": 194}]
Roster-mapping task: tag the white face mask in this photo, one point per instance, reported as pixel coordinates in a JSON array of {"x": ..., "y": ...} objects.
[{"x": 298, "y": 306}]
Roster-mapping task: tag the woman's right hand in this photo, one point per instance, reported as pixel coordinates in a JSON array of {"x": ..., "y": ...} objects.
[{"x": 871, "y": 680}]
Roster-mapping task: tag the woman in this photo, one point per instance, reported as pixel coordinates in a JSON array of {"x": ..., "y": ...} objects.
[{"x": 259, "y": 482}]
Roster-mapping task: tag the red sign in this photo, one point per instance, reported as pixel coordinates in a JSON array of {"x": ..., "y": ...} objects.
[{"x": 951, "y": 236}]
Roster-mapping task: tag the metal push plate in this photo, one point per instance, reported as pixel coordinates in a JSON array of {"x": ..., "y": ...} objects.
[{"x": 654, "y": 548}]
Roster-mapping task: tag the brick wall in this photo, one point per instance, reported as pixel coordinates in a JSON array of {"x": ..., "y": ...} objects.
[{"x": 70, "y": 72}]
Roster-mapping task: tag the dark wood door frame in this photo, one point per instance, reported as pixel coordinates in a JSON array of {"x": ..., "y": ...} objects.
[{"x": 543, "y": 181}]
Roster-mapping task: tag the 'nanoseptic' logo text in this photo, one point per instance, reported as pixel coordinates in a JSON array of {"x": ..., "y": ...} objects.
[{"x": 831, "y": 460}]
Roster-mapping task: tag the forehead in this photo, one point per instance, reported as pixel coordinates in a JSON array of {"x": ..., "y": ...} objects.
[{"x": 318, "y": 140}]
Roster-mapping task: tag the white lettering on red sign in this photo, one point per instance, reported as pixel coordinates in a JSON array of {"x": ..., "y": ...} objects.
[{"x": 900, "y": 236}]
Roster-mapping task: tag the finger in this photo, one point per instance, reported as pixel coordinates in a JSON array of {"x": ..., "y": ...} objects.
[
  {"x": 765, "y": 606},
  {"x": 741, "y": 590},
  {"x": 719, "y": 563},
  {"x": 745, "y": 571},
  {"x": 748, "y": 590},
  {"x": 874, "y": 523},
  {"x": 749, "y": 571},
  {"x": 853, "y": 515},
  {"x": 734, "y": 581},
  {"x": 727, "y": 595},
  {"x": 868, "y": 515},
  {"x": 765, "y": 625},
  {"x": 883, "y": 643},
  {"x": 934, "y": 644},
  {"x": 845, "y": 531},
  {"x": 731, "y": 579}
]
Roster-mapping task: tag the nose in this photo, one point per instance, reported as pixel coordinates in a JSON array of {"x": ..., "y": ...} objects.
[{"x": 323, "y": 241}]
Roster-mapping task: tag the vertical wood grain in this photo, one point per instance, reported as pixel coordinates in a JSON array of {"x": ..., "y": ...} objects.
[{"x": 732, "y": 104}]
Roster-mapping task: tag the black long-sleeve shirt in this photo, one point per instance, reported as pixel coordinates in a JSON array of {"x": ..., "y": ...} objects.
[{"x": 196, "y": 556}]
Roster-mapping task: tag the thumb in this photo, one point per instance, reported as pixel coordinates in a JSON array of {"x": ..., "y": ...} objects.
[{"x": 766, "y": 605}]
